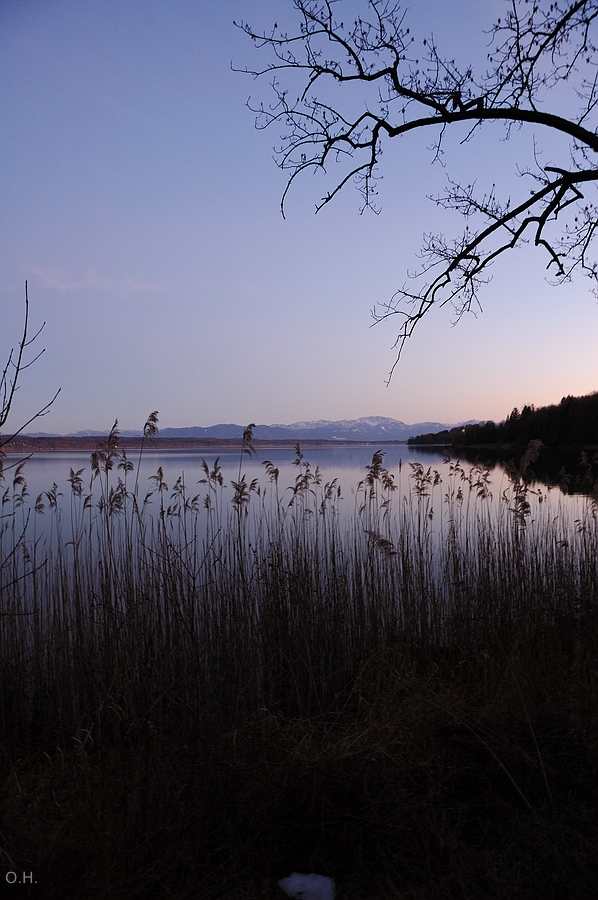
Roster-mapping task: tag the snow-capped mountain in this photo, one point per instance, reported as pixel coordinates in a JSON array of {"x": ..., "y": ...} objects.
[{"x": 369, "y": 428}]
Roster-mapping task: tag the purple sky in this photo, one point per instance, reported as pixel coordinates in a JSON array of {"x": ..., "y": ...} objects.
[{"x": 143, "y": 208}]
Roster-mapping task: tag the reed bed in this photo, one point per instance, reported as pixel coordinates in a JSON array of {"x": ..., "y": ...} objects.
[{"x": 199, "y": 695}]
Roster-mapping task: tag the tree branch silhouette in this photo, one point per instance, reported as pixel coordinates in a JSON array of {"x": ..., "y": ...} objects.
[
  {"x": 15, "y": 365},
  {"x": 537, "y": 47}
]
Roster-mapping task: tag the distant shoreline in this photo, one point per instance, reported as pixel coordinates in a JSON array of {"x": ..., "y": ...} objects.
[
  {"x": 499, "y": 449},
  {"x": 88, "y": 444}
]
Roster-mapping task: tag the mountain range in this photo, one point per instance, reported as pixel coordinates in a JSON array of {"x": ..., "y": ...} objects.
[{"x": 369, "y": 428}]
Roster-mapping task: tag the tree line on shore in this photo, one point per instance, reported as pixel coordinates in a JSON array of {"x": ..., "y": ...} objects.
[{"x": 571, "y": 423}]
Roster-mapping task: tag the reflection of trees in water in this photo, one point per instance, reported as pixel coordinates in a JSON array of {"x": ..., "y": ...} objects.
[{"x": 573, "y": 470}]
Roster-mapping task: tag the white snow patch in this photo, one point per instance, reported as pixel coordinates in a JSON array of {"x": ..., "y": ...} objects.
[{"x": 308, "y": 887}]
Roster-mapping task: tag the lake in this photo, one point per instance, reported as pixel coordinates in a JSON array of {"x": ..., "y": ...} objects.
[
  {"x": 408, "y": 527},
  {"x": 347, "y": 463},
  {"x": 407, "y": 465}
]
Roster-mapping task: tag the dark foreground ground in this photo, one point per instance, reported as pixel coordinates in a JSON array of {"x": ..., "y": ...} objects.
[{"x": 192, "y": 708}]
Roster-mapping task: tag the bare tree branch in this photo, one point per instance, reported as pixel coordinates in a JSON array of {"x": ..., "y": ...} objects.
[
  {"x": 536, "y": 47},
  {"x": 15, "y": 365}
]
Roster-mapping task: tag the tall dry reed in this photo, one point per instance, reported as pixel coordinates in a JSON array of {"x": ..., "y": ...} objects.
[{"x": 202, "y": 691}]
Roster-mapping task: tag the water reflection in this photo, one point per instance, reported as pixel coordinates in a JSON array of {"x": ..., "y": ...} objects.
[
  {"x": 398, "y": 515},
  {"x": 347, "y": 463},
  {"x": 45, "y": 482},
  {"x": 574, "y": 470}
]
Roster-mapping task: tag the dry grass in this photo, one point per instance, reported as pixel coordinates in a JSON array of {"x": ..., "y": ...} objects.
[{"x": 198, "y": 697}]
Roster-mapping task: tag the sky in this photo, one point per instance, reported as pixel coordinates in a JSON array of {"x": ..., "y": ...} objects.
[{"x": 143, "y": 208}]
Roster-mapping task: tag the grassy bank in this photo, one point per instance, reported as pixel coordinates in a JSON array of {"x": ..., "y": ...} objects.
[{"x": 200, "y": 696}]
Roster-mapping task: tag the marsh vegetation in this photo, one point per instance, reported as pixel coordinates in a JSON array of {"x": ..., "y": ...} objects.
[{"x": 201, "y": 693}]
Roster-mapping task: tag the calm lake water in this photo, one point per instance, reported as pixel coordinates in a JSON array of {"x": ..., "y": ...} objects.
[
  {"x": 320, "y": 504},
  {"x": 347, "y": 464}
]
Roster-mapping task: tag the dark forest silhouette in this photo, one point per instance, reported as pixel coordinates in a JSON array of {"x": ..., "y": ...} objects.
[{"x": 571, "y": 423}]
